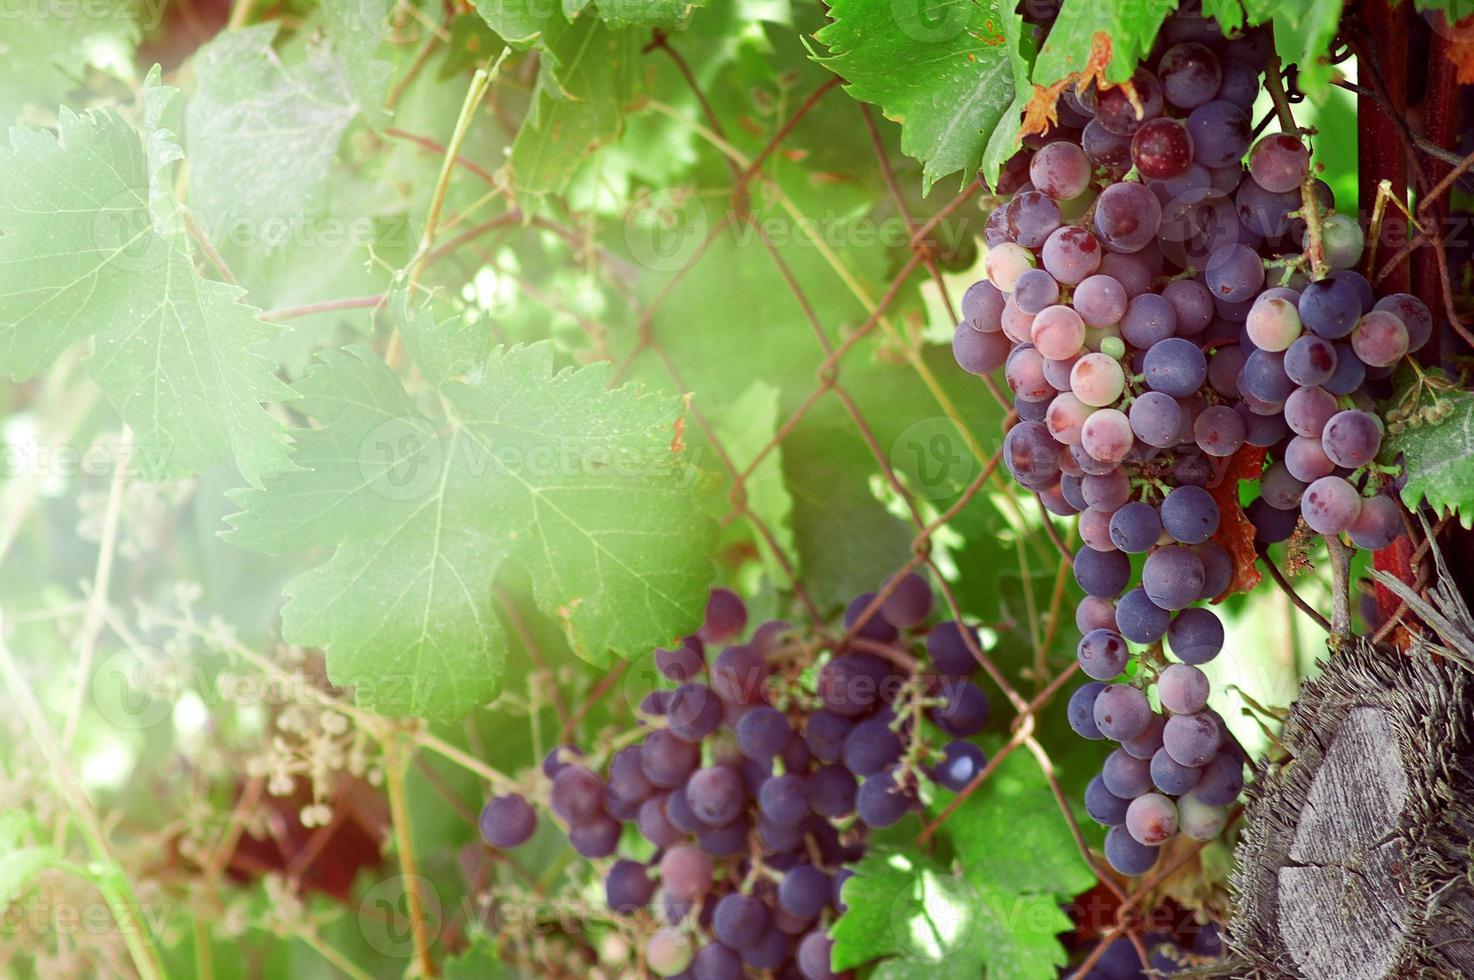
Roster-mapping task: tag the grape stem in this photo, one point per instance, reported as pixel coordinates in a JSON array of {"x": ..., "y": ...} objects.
[
  {"x": 1289, "y": 590},
  {"x": 397, "y": 755},
  {"x": 1310, "y": 209},
  {"x": 1340, "y": 589}
]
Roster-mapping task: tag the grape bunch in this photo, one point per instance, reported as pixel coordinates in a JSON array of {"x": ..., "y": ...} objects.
[
  {"x": 753, "y": 788},
  {"x": 1164, "y": 297}
]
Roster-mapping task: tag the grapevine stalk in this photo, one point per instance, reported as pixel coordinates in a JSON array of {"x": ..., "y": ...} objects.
[
  {"x": 98, "y": 599},
  {"x": 1309, "y": 206},
  {"x": 1340, "y": 589},
  {"x": 110, "y": 879},
  {"x": 480, "y": 82},
  {"x": 396, "y": 764}
]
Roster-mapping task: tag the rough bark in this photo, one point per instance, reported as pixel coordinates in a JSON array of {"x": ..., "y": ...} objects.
[{"x": 1355, "y": 863}]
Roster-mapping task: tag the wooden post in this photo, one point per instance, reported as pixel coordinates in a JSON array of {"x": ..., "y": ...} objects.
[{"x": 1355, "y": 860}]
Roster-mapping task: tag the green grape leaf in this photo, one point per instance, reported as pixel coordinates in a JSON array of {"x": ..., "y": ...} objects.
[
  {"x": 19, "y": 867},
  {"x": 907, "y": 906},
  {"x": 262, "y": 134},
  {"x": 1128, "y": 27},
  {"x": 638, "y": 13},
  {"x": 847, "y": 539},
  {"x": 453, "y": 350},
  {"x": 1302, "y": 36},
  {"x": 357, "y": 29},
  {"x": 993, "y": 912},
  {"x": 472, "y": 44},
  {"x": 162, "y": 121},
  {"x": 87, "y": 252},
  {"x": 45, "y": 48},
  {"x": 1302, "y": 33},
  {"x": 520, "y": 23},
  {"x": 1009, "y": 833},
  {"x": 944, "y": 69},
  {"x": 577, "y": 484},
  {"x": 588, "y": 76},
  {"x": 1017, "y": 934},
  {"x": 1434, "y": 432},
  {"x": 1003, "y": 141},
  {"x": 921, "y": 920},
  {"x": 1021, "y": 858},
  {"x": 1228, "y": 13}
]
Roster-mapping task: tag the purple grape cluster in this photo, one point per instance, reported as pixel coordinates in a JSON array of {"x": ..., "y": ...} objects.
[
  {"x": 756, "y": 790},
  {"x": 1152, "y": 302}
]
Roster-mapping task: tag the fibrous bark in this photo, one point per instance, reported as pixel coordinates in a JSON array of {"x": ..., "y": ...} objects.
[{"x": 1355, "y": 863}]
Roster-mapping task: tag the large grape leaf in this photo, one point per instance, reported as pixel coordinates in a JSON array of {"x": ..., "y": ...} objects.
[
  {"x": 520, "y": 23},
  {"x": 88, "y": 251},
  {"x": 261, "y": 135},
  {"x": 45, "y": 47},
  {"x": 579, "y": 485},
  {"x": 1128, "y": 27},
  {"x": 478, "y": 962},
  {"x": 992, "y": 912},
  {"x": 1434, "y": 433},
  {"x": 1010, "y": 834},
  {"x": 1302, "y": 36},
  {"x": 588, "y": 76},
  {"x": 911, "y": 912},
  {"x": 645, "y": 13},
  {"x": 358, "y": 29},
  {"x": 943, "y": 69},
  {"x": 923, "y": 921},
  {"x": 1302, "y": 33},
  {"x": 847, "y": 540},
  {"x": 1003, "y": 142}
]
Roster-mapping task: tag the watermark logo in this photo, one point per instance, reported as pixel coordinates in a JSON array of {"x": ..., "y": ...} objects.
[
  {"x": 935, "y": 456},
  {"x": 389, "y": 919},
  {"x": 931, "y": 21},
  {"x": 402, "y": 458},
  {"x": 933, "y": 915},
  {"x": 135, "y": 687},
  {"x": 665, "y": 231},
  {"x": 123, "y": 236}
]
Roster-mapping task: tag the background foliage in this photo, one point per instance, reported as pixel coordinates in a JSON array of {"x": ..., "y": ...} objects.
[{"x": 450, "y": 354}]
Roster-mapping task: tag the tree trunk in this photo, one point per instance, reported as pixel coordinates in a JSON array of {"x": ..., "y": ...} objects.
[{"x": 1356, "y": 859}]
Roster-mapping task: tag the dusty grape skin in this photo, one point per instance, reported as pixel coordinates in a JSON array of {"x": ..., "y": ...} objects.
[
  {"x": 1102, "y": 654},
  {"x": 1378, "y": 524},
  {"x": 1114, "y": 108},
  {"x": 1220, "y": 132},
  {"x": 1380, "y": 339},
  {"x": 1139, "y": 619},
  {"x": 1126, "y": 854},
  {"x": 1127, "y": 217},
  {"x": 1121, "y": 711},
  {"x": 1279, "y": 162},
  {"x": 1151, "y": 819},
  {"x": 1192, "y": 740},
  {"x": 1162, "y": 148},
  {"x": 1190, "y": 75},
  {"x": 1330, "y": 505},
  {"x": 508, "y": 821}
]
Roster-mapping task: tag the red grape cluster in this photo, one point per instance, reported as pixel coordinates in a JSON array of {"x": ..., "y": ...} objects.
[
  {"x": 1150, "y": 295},
  {"x": 753, "y": 787}
]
